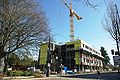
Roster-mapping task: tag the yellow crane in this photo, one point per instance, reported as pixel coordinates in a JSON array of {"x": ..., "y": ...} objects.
[{"x": 72, "y": 14}]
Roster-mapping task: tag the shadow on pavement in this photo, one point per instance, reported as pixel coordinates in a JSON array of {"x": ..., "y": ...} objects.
[{"x": 103, "y": 76}]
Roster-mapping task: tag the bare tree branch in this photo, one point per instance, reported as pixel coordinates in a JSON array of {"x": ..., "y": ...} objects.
[
  {"x": 90, "y": 4},
  {"x": 23, "y": 24},
  {"x": 112, "y": 24}
]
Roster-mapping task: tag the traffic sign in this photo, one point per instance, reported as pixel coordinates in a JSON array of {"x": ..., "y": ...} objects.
[{"x": 116, "y": 60}]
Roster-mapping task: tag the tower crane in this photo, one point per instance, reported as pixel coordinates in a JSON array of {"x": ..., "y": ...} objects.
[{"x": 72, "y": 14}]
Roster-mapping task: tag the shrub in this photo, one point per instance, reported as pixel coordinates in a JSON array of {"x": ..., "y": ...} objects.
[
  {"x": 26, "y": 73},
  {"x": 15, "y": 73},
  {"x": 10, "y": 73},
  {"x": 37, "y": 75}
]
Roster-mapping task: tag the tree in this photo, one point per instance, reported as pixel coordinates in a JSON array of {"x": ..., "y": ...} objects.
[
  {"x": 89, "y": 4},
  {"x": 106, "y": 59},
  {"x": 26, "y": 61},
  {"x": 112, "y": 23},
  {"x": 23, "y": 25},
  {"x": 13, "y": 60},
  {"x": 16, "y": 62}
]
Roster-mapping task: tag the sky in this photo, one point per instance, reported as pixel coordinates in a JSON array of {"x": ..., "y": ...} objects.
[{"x": 89, "y": 29}]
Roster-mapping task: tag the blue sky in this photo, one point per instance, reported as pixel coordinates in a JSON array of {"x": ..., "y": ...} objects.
[{"x": 89, "y": 29}]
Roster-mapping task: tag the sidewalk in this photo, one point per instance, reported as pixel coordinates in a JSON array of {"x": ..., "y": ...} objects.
[
  {"x": 24, "y": 78},
  {"x": 52, "y": 77},
  {"x": 31, "y": 78}
]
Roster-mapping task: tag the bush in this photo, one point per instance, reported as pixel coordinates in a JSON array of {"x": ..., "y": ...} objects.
[
  {"x": 26, "y": 73},
  {"x": 37, "y": 75},
  {"x": 18, "y": 73},
  {"x": 10, "y": 73}
]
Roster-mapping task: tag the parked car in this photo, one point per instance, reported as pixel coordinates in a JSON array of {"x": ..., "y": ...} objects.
[
  {"x": 70, "y": 72},
  {"x": 33, "y": 69},
  {"x": 87, "y": 70}
]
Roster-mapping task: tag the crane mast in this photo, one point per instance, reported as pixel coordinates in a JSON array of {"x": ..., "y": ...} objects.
[
  {"x": 72, "y": 14},
  {"x": 71, "y": 24}
]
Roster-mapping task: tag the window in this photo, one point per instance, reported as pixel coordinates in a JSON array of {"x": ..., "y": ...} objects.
[
  {"x": 91, "y": 61},
  {"x": 90, "y": 49},
  {"x": 93, "y": 50},
  {"x": 83, "y": 59},
  {"x": 72, "y": 54},
  {"x": 87, "y": 60},
  {"x": 86, "y": 46},
  {"x": 83, "y": 45}
]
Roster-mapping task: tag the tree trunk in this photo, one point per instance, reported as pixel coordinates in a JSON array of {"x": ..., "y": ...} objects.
[
  {"x": 6, "y": 64},
  {"x": 2, "y": 53},
  {"x": 5, "y": 67}
]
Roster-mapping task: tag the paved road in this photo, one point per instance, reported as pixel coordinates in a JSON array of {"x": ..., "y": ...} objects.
[{"x": 104, "y": 76}]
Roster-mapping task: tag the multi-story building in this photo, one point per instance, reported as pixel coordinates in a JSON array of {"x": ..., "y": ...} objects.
[
  {"x": 73, "y": 55},
  {"x": 81, "y": 55}
]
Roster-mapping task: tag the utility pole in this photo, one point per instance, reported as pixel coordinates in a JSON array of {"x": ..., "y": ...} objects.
[
  {"x": 118, "y": 34},
  {"x": 117, "y": 27},
  {"x": 48, "y": 59},
  {"x": 60, "y": 59}
]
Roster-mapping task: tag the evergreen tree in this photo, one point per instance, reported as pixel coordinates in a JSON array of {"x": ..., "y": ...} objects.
[{"x": 106, "y": 59}]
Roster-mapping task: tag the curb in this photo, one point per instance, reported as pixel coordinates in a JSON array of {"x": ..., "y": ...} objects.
[{"x": 23, "y": 78}]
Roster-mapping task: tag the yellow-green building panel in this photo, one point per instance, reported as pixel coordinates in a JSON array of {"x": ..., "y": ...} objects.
[
  {"x": 77, "y": 45},
  {"x": 43, "y": 53}
]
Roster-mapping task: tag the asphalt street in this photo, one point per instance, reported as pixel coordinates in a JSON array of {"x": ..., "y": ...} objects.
[{"x": 103, "y": 76}]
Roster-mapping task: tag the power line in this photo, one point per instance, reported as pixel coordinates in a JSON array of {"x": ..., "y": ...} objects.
[
  {"x": 97, "y": 38},
  {"x": 60, "y": 35},
  {"x": 86, "y": 39}
]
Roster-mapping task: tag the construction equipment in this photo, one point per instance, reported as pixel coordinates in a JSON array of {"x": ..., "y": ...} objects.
[{"x": 72, "y": 14}]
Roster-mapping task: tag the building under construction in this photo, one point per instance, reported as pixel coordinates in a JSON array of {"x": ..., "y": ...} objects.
[
  {"x": 82, "y": 56},
  {"x": 73, "y": 55}
]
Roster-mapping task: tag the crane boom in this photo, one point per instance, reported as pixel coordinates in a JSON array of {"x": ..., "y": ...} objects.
[{"x": 72, "y": 14}]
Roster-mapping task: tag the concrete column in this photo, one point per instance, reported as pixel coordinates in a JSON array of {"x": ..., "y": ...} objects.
[{"x": 83, "y": 69}]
